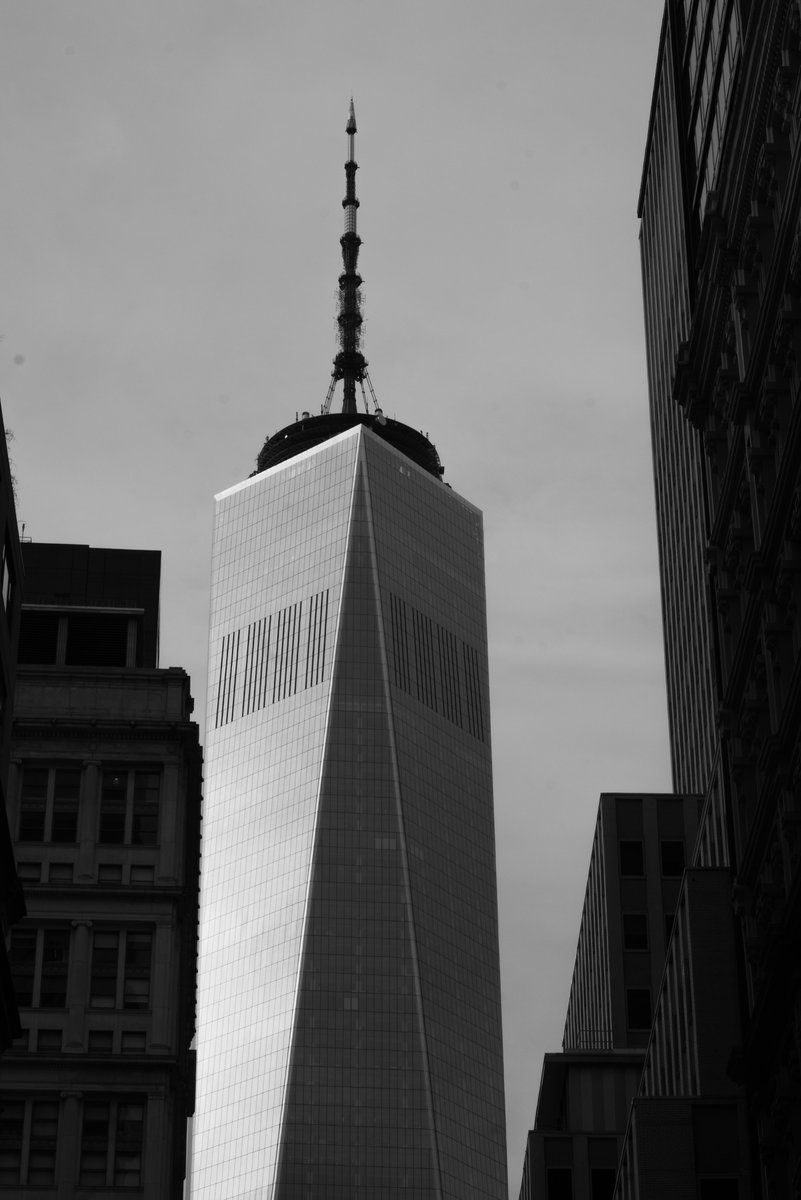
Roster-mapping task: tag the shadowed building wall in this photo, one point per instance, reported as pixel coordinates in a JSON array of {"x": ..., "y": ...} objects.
[
  {"x": 104, "y": 806},
  {"x": 720, "y": 206}
]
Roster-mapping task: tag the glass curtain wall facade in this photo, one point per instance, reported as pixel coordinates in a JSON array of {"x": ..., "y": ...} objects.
[{"x": 349, "y": 1005}]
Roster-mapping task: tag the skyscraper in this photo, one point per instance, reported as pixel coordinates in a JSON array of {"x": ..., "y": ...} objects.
[
  {"x": 720, "y": 204},
  {"x": 349, "y": 1000}
]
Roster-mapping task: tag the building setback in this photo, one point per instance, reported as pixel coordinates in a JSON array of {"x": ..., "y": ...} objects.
[
  {"x": 349, "y": 1038},
  {"x": 720, "y": 208},
  {"x": 104, "y": 805}
]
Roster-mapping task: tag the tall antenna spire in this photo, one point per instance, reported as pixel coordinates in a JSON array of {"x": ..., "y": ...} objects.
[{"x": 349, "y": 365}]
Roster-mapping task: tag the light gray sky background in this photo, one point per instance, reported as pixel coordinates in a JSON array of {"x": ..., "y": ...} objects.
[{"x": 170, "y": 211}]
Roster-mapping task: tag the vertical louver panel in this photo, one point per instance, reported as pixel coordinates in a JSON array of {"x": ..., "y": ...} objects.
[
  {"x": 280, "y": 653},
  {"x": 445, "y": 668}
]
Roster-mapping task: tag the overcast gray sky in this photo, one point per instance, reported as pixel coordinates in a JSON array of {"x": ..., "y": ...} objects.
[{"x": 169, "y": 223}]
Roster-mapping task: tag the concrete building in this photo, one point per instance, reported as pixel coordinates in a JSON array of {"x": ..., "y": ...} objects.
[
  {"x": 688, "y": 1130},
  {"x": 104, "y": 806},
  {"x": 720, "y": 205},
  {"x": 349, "y": 1031},
  {"x": 12, "y": 904},
  {"x": 641, "y": 846},
  {"x": 639, "y": 852},
  {"x": 583, "y": 1106}
]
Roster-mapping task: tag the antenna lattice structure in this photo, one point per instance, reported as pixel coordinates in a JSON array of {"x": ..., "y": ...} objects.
[{"x": 350, "y": 364}]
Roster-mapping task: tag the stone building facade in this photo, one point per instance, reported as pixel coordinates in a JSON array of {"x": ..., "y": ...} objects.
[{"x": 104, "y": 807}]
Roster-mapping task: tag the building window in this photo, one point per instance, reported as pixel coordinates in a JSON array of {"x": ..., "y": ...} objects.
[
  {"x": 78, "y": 637},
  {"x": 109, "y": 873},
  {"x": 631, "y": 858},
  {"x": 672, "y": 859},
  {"x": 39, "y": 965},
  {"x": 129, "y": 808},
  {"x": 100, "y": 1041},
  {"x": 28, "y": 1138},
  {"x": 98, "y": 639},
  {"x": 39, "y": 637},
  {"x": 111, "y": 1143},
  {"x": 48, "y": 1040},
  {"x": 49, "y": 804},
  {"x": 60, "y": 872},
  {"x": 635, "y": 931},
  {"x": 718, "y": 1189},
  {"x": 560, "y": 1183},
  {"x": 638, "y": 1006},
  {"x": 121, "y": 969},
  {"x": 12, "y": 1125},
  {"x": 30, "y": 872},
  {"x": 669, "y": 920},
  {"x": 602, "y": 1183}
]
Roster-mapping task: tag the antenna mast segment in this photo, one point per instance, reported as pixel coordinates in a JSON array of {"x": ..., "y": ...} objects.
[{"x": 350, "y": 364}]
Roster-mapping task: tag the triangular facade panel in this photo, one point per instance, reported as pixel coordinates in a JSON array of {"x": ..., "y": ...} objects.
[{"x": 358, "y": 1117}]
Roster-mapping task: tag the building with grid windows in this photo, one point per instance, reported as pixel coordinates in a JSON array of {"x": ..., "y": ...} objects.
[
  {"x": 104, "y": 810},
  {"x": 349, "y": 1036},
  {"x": 688, "y": 1131},
  {"x": 641, "y": 846}
]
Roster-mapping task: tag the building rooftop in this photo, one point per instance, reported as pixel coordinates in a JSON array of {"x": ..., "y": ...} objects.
[{"x": 312, "y": 430}]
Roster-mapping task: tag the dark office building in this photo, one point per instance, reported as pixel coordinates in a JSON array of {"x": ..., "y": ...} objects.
[
  {"x": 641, "y": 846},
  {"x": 720, "y": 208},
  {"x": 12, "y": 904},
  {"x": 640, "y": 849},
  {"x": 688, "y": 1132},
  {"x": 104, "y": 807},
  {"x": 349, "y": 1030}
]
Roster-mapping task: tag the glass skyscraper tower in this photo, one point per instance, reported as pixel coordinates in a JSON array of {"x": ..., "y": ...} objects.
[{"x": 349, "y": 1033}]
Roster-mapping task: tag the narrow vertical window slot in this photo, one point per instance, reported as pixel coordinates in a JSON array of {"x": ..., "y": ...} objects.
[
  {"x": 257, "y": 664},
  {"x": 279, "y": 650},
  {"x": 265, "y": 660},
  {"x": 457, "y": 681},
  {"x": 325, "y": 636},
  {"x": 233, "y": 676},
  {"x": 289, "y": 642},
  {"x": 222, "y": 678},
  {"x": 310, "y": 638},
  {"x": 298, "y": 628},
  {"x": 444, "y": 689},
  {"x": 246, "y": 680},
  {"x": 405, "y": 647}
]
